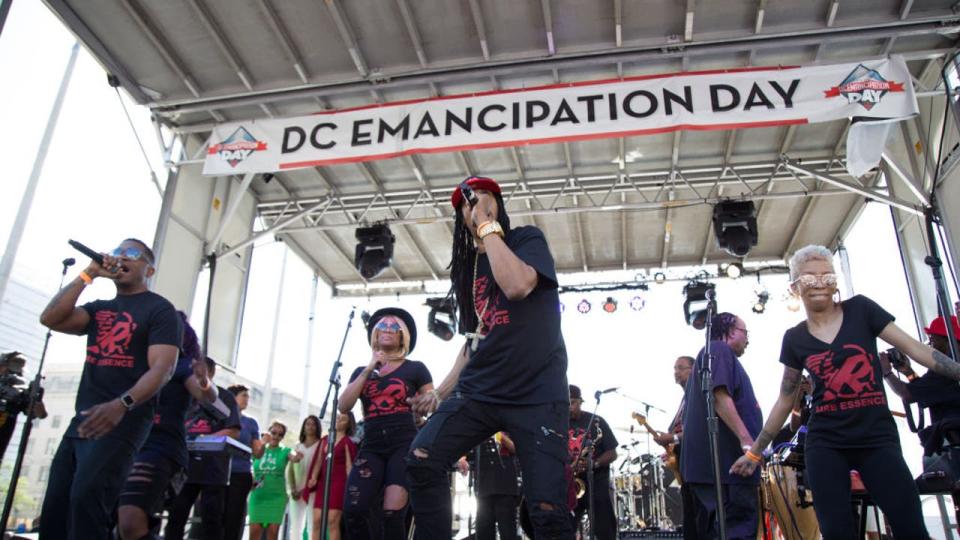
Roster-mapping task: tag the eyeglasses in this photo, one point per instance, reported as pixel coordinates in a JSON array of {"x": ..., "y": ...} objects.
[
  {"x": 742, "y": 329},
  {"x": 277, "y": 433},
  {"x": 385, "y": 326},
  {"x": 131, "y": 253},
  {"x": 808, "y": 281}
]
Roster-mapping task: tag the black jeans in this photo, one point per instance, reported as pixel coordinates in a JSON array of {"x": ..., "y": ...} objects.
[
  {"x": 497, "y": 513},
  {"x": 84, "y": 484},
  {"x": 210, "y": 511},
  {"x": 884, "y": 474},
  {"x": 379, "y": 463},
  {"x": 235, "y": 506},
  {"x": 603, "y": 513},
  {"x": 540, "y": 435},
  {"x": 740, "y": 502},
  {"x": 689, "y": 513}
]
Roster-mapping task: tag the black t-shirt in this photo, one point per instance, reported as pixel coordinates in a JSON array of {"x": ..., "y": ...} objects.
[
  {"x": 599, "y": 428},
  {"x": 695, "y": 460},
  {"x": 849, "y": 404},
  {"x": 496, "y": 469},
  {"x": 384, "y": 398},
  {"x": 938, "y": 393},
  {"x": 118, "y": 336},
  {"x": 168, "y": 436},
  {"x": 522, "y": 359},
  {"x": 200, "y": 422}
]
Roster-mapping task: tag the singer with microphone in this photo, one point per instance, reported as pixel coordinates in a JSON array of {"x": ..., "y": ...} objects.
[
  {"x": 133, "y": 341},
  {"x": 585, "y": 429},
  {"x": 384, "y": 389}
]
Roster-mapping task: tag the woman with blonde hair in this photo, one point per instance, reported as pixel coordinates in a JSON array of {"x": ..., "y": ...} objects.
[{"x": 850, "y": 426}]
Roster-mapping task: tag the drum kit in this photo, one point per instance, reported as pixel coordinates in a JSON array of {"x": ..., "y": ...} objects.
[{"x": 784, "y": 493}]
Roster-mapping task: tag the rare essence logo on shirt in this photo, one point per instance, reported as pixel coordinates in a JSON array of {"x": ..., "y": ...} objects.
[
  {"x": 387, "y": 396},
  {"x": 489, "y": 305},
  {"x": 575, "y": 442},
  {"x": 114, "y": 333},
  {"x": 849, "y": 379}
]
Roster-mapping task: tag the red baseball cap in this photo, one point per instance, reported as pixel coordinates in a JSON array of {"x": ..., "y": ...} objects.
[
  {"x": 476, "y": 182},
  {"x": 939, "y": 327}
]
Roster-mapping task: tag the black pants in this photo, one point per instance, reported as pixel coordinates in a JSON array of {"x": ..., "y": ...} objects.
[
  {"x": 887, "y": 479},
  {"x": 540, "y": 435},
  {"x": 740, "y": 503},
  {"x": 497, "y": 513},
  {"x": 210, "y": 511},
  {"x": 84, "y": 484},
  {"x": 379, "y": 463},
  {"x": 603, "y": 512},
  {"x": 689, "y": 514},
  {"x": 235, "y": 505}
]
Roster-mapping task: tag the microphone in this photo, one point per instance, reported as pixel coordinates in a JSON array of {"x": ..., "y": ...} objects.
[
  {"x": 69, "y": 261},
  {"x": 608, "y": 390},
  {"x": 94, "y": 256}
]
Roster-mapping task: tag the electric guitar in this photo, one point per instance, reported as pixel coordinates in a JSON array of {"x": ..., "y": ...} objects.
[{"x": 670, "y": 459}]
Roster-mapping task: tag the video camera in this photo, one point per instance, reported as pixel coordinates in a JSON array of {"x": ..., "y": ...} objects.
[
  {"x": 14, "y": 391},
  {"x": 897, "y": 359}
]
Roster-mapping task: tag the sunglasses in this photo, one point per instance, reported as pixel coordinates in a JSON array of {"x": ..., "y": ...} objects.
[
  {"x": 277, "y": 433},
  {"x": 385, "y": 326},
  {"x": 131, "y": 253},
  {"x": 808, "y": 281}
]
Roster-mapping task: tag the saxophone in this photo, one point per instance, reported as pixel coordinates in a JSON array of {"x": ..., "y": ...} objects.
[{"x": 580, "y": 463}]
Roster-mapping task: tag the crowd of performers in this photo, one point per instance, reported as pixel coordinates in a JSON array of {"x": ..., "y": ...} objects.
[{"x": 505, "y": 410}]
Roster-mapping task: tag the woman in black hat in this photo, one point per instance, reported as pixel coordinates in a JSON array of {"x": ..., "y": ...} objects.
[{"x": 384, "y": 387}]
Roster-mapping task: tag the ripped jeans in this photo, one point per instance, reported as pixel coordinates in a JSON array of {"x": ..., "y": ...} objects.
[
  {"x": 540, "y": 435},
  {"x": 378, "y": 464}
]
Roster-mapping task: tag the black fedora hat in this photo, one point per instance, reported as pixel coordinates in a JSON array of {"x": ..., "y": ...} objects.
[{"x": 401, "y": 314}]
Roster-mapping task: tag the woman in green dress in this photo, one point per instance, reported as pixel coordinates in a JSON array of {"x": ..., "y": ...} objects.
[{"x": 268, "y": 500}]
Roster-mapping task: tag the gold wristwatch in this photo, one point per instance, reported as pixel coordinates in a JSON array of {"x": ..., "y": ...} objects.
[{"x": 488, "y": 228}]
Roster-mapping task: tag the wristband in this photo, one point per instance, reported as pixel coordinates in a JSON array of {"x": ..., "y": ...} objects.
[
  {"x": 85, "y": 278},
  {"x": 753, "y": 457},
  {"x": 796, "y": 412}
]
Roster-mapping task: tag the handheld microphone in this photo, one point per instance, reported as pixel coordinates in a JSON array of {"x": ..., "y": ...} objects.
[
  {"x": 468, "y": 194},
  {"x": 94, "y": 256},
  {"x": 69, "y": 261}
]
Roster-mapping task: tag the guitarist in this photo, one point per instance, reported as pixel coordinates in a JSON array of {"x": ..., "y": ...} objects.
[
  {"x": 604, "y": 453},
  {"x": 671, "y": 439}
]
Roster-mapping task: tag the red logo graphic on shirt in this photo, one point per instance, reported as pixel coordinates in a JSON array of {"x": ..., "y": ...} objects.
[
  {"x": 387, "y": 396},
  {"x": 114, "y": 334},
  {"x": 578, "y": 437},
  {"x": 488, "y": 305},
  {"x": 850, "y": 382}
]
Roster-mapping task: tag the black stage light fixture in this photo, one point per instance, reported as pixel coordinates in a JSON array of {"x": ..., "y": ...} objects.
[
  {"x": 659, "y": 278},
  {"x": 374, "y": 250},
  {"x": 732, "y": 270},
  {"x": 637, "y": 303},
  {"x": 760, "y": 305},
  {"x": 735, "y": 224},
  {"x": 695, "y": 303},
  {"x": 610, "y": 305},
  {"x": 441, "y": 322}
]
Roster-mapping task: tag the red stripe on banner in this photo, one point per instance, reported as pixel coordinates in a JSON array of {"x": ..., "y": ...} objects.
[
  {"x": 547, "y": 140},
  {"x": 555, "y": 86}
]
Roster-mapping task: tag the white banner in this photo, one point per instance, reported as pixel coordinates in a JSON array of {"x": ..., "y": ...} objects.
[{"x": 722, "y": 99}]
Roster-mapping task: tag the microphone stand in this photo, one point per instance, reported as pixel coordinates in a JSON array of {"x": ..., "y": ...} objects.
[
  {"x": 713, "y": 432},
  {"x": 332, "y": 434},
  {"x": 590, "y": 471},
  {"x": 933, "y": 261},
  {"x": 36, "y": 394}
]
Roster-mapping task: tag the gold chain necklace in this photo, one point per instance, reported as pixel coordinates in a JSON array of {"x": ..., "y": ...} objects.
[{"x": 478, "y": 335}]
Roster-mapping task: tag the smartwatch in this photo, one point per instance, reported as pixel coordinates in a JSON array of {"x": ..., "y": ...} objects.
[{"x": 128, "y": 401}]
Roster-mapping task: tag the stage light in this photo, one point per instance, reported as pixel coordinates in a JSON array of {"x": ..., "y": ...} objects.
[
  {"x": 374, "y": 251},
  {"x": 637, "y": 303},
  {"x": 659, "y": 277},
  {"x": 442, "y": 321},
  {"x": 584, "y": 306},
  {"x": 695, "y": 303},
  {"x": 732, "y": 270},
  {"x": 735, "y": 224},
  {"x": 610, "y": 305},
  {"x": 760, "y": 305}
]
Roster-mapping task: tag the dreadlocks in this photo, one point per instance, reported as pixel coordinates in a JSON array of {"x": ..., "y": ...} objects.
[
  {"x": 723, "y": 324},
  {"x": 461, "y": 266}
]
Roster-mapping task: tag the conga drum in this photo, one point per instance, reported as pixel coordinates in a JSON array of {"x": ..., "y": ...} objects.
[{"x": 792, "y": 509}]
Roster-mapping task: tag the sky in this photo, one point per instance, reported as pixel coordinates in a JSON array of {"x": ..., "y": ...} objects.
[{"x": 96, "y": 188}]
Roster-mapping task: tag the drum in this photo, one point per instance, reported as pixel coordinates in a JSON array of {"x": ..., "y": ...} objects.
[{"x": 791, "y": 507}]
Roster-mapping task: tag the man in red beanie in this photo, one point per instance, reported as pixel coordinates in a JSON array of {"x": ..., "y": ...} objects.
[
  {"x": 932, "y": 391},
  {"x": 510, "y": 375}
]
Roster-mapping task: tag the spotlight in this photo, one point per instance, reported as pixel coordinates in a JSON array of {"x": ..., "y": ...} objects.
[
  {"x": 374, "y": 251},
  {"x": 695, "y": 303},
  {"x": 735, "y": 224},
  {"x": 441, "y": 322},
  {"x": 761, "y": 303},
  {"x": 584, "y": 306},
  {"x": 659, "y": 277},
  {"x": 732, "y": 270},
  {"x": 637, "y": 303},
  {"x": 610, "y": 305}
]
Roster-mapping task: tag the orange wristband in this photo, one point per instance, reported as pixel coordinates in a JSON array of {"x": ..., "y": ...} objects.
[
  {"x": 85, "y": 277},
  {"x": 753, "y": 457}
]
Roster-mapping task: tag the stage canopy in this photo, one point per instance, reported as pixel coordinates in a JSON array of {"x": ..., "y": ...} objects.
[{"x": 635, "y": 202}]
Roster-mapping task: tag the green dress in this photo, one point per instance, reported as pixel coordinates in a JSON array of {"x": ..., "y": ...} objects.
[{"x": 269, "y": 501}]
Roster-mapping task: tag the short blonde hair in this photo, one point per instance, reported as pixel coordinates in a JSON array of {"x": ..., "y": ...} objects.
[{"x": 812, "y": 252}]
